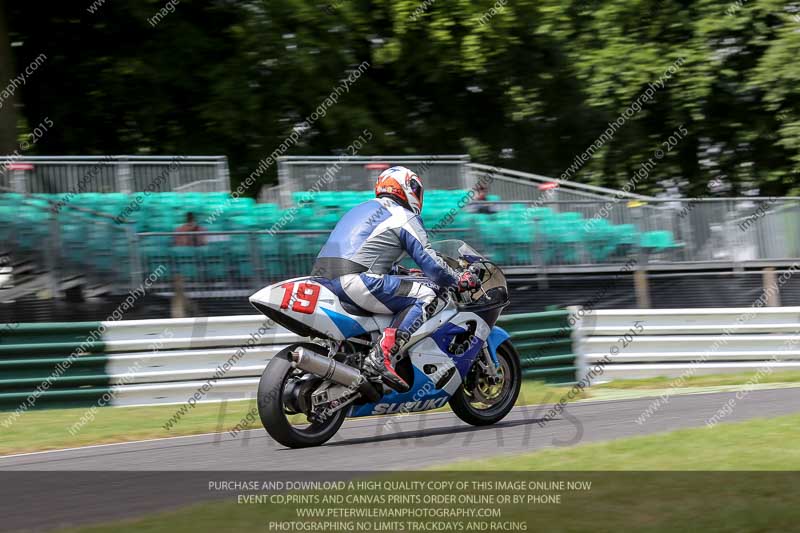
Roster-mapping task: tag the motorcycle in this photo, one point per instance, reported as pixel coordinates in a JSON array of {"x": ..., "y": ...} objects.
[{"x": 457, "y": 356}]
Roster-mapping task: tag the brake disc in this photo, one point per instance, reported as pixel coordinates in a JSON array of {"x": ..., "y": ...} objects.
[{"x": 487, "y": 393}]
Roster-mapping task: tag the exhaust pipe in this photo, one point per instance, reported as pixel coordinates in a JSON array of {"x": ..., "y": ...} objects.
[{"x": 329, "y": 369}]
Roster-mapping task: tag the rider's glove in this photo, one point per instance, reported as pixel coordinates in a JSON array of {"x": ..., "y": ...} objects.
[{"x": 468, "y": 281}]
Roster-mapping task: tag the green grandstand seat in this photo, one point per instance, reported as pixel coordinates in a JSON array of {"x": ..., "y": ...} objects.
[
  {"x": 267, "y": 214},
  {"x": 187, "y": 261},
  {"x": 599, "y": 237},
  {"x": 270, "y": 255},
  {"x": 212, "y": 261},
  {"x": 657, "y": 241},
  {"x": 242, "y": 249},
  {"x": 244, "y": 222},
  {"x": 539, "y": 213},
  {"x": 240, "y": 206},
  {"x": 627, "y": 238}
]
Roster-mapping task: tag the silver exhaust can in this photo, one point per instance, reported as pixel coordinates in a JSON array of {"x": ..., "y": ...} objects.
[{"x": 327, "y": 368}]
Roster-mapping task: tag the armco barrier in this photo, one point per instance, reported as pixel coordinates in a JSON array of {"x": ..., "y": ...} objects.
[
  {"x": 544, "y": 344},
  {"x": 138, "y": 362},
  {"x": 685, "y": 342},
  {"x": 135, "y": 362}
]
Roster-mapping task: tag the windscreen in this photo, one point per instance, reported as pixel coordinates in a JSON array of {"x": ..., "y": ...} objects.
[{"x": 456, "y": 249}]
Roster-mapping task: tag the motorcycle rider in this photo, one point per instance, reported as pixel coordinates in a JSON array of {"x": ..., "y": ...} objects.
[{"x": 359, "y": 260}]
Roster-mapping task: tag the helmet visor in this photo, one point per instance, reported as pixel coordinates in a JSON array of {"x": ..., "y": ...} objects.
[{"x": 417, "y": 189}]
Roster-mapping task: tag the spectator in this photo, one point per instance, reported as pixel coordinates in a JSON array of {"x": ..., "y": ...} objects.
[
  {"x": 482, "y": 193},
  {"x": 190, "y": 226}
]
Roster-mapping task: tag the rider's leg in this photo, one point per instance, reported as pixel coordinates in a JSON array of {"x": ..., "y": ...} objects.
[{"x": 409, "y": 300}]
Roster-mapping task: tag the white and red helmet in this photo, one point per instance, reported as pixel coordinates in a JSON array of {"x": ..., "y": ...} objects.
[{"x": 403, "y": 185}]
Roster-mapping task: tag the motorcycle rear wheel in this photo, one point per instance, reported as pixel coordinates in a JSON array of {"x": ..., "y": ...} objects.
[
  {"x": 273, "y": 412},
  {"x": 481, "y": 408}
]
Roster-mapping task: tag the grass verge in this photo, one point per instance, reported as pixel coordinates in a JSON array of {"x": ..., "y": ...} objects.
[
  {"x": 761, "y": 444},
  {"x": 703, "y": 381},
  {"x": 607, "y": 501},
  {"x": 49, "y": 429}
]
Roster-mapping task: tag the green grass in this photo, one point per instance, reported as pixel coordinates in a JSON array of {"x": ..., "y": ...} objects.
[
  {"x": 761, "y": 444},
  {"x": 616, "y": 501},
  {"x": 49, "y": 429},
  {"x": 703, "y": 381}
]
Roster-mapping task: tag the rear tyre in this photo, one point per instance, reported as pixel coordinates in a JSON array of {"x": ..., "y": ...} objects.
[
  {"x": 478, "y": 403},
  {"x": 273, "y": 411}
]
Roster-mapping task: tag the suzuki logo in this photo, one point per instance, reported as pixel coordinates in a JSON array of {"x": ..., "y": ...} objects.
[{"x": 408, "y": 407}]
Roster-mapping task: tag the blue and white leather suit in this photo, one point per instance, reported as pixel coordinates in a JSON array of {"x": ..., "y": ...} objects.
[{"x": 361, "y": 251}]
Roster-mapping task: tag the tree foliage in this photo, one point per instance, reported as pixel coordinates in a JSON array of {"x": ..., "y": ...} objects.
[{"x": 527, "y": 84}]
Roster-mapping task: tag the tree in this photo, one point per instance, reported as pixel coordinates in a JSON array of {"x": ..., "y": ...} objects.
[{"x": 528, "y": 84}]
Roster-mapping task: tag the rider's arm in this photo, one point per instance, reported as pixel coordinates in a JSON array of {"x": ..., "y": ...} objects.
[{"x": 415, "y": 242}]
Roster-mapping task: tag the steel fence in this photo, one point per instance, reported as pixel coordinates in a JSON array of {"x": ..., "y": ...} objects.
[
  {"x": 566, "y": 234},
  {"x": 357, "y": 173},
  {"x": 230, "y": 263},
  {"x": 67, "y": 241},
  {"x": 682, "y": 343},
  {"x": 516, "y": 185},
  {"x": 103, "y": 174},
  {"x": 225, "y": 263},
  {"x": 730, "y": 230},
  {"x": 164, "y": 361}
]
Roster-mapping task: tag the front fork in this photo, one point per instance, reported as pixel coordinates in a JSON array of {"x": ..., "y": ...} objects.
[{"x": 488, "y": 365}]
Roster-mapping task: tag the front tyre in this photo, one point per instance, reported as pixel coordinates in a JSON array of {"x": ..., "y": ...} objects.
[
  {"x": 480, "y": 403},
  {"x": 280, "y": 421}
]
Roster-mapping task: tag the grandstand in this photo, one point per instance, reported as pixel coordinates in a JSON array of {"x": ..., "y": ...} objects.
[
  {"x": 239, "y": 247},
  {"x": 531, "y": 223}
]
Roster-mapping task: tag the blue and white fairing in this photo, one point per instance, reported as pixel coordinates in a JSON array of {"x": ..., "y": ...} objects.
[
  {"x": 438, "y": 371},
  {"x": 310, "y": 302},
  {"x": 441, "y": 352}
]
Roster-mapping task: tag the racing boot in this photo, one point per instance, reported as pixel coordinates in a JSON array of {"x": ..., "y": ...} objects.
[{"x": 379, "y": 360}]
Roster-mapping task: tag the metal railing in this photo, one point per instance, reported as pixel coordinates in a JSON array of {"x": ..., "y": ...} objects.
[
  {"x": 516, "y": 185},
  {"x": 77, "y": 241},
  {"x": 228, "y": 263},
  {"x": 118, "y": 173},
  {"x": 729, "y": 230},
  {"x": 662, "y": 232},
  {"x": 164, "y": 361},
  {"x": 67, "y": 240},
  {"x": 358, "y": 173},
  {"x": 685, "y": 342}
]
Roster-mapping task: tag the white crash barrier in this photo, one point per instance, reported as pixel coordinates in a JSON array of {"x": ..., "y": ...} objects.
[{"x": 644, "y": 343}]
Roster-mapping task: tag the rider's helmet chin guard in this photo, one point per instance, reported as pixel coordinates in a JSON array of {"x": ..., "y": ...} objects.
[{"x": 403, "y": 185}]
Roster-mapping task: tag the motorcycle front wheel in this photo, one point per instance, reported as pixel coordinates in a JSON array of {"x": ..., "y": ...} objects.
[
  {"x": 481, "y": 403},
  {"x": 290, "y": 428}
]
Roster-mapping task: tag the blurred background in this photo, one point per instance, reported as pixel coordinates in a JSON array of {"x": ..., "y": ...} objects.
[
  {"x": 650, "y": 148},
  {"x": 168, "y": 158}
]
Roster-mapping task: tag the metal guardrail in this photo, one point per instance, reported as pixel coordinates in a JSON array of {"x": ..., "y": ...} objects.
[
  {"x": 721, "y": 230},
  {"x": 358, "y": 173},
  {"x": 116, "y": 173},
  {"x": 232, "y": 263},
  {"x": 643, "y": 343},
  {"x": 69, "y": 240},
  {"x": 518, "y": 185},
  {"x": 139, "y": 362},
  {"x": 590, "y": 227},
  {"x": 167, "y": 361}
]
